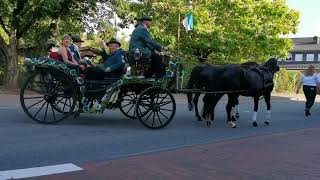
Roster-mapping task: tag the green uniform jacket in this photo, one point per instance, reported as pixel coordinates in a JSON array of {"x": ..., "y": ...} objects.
[{"x": 141, "y": 39}]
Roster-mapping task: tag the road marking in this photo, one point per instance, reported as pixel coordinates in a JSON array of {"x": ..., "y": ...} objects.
[
  {"x": 38, "y": 171},
  {"x": 8, "y": 107},
  {"x": 297, "y": 99}
]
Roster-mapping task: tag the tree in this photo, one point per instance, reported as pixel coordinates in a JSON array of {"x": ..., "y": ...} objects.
[
  {"x": 28, "y": 18},
  {"x": 229, "y": 31}
]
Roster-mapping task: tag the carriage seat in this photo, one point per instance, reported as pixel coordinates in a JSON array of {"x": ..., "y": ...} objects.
[{"x": 139, "y": 65}]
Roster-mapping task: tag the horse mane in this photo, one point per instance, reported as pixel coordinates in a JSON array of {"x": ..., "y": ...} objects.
[
  {"x": 249, "y": 64},
  {"x": 271, "y": 62}
]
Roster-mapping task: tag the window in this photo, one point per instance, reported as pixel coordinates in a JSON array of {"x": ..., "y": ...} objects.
[
  {"x": 310, "y": 57},
  {"x": 298, "y": 57},
  {"x": 289, "y": 57}
]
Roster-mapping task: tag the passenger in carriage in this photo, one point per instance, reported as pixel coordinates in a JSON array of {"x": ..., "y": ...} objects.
[
  {"x": 113, "y": 62},
  {"x": 65, "y": 55},
  {"x": 52, "y": 52},
  {"x": 142, "y": 40},
  {"x": 75, "y": 47}
]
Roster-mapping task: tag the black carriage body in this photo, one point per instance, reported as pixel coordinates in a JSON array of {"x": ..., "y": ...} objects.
[{"x": 61, "y": 90}]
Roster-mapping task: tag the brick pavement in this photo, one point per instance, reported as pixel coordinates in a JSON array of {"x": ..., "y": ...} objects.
[{"x": 287, "y": 155}]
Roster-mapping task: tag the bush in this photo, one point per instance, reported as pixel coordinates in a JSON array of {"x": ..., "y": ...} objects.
[{"x": 286, "y": 81}]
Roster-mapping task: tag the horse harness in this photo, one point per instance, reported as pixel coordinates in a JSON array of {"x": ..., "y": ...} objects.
[{"x": 266, "y": 76}]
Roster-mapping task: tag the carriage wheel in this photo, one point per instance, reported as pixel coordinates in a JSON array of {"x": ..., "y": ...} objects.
[
  {"x": 48, "y": 97},
  {"x": 127, "y": 104},
  {"x": 155, "y": 107}
]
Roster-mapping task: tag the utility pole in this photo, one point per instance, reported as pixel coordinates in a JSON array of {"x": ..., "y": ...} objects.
[{"x": 115, "y": 24}]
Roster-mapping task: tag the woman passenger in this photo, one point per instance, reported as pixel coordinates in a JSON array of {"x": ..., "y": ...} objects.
[{"x": 64, "y": 53}]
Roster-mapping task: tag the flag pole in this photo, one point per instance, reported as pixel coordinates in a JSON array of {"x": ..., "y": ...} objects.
[
  {"x": 115, "y": 24},
  {"x": 178, "y": 49},
  {"x": 179, "y": 19}
]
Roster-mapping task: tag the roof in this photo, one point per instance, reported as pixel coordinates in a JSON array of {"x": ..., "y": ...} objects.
[
  {"x": 87, "y": 51},
  {"x": 306, "y": 44},
  {"x": 298, "y": 65},
  {"x": 306, "y": 48},
  {"x": 306, "y": 40}
]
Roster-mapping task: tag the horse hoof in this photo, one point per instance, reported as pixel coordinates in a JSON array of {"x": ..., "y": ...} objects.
[
  {"x": 237, "y": 115},
  {"x": 255, "y": 124},
  {"x": 200, "y": 119},
  {"x": 76, "y": 114},
  {"x": 208, "y": 123},
  {"x": 232, "y": 125},
  {"x": 267, "y": 123}
]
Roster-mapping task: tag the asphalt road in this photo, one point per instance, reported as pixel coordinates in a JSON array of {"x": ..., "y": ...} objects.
[{"x": 25, "y": 144}]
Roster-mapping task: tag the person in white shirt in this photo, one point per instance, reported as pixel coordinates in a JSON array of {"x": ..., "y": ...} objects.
[
  {"x": 318, "y": 78},
  {"x": 309, "y": 80}
]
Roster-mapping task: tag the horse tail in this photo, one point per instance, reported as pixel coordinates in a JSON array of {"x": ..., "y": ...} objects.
[
  {"x": 207, "y": 107},
  {"x": 190, "y": 85}
]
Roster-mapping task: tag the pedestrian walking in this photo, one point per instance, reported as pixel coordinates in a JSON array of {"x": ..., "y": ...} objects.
[{"x": 310, "y": 81}]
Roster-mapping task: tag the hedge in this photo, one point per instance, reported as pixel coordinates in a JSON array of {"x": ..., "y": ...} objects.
[{"x": 286, "y": 81}]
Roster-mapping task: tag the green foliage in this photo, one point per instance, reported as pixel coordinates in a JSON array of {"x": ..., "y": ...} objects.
[
  {"x": 4, "y": 35},
  {"x": 31, "y": 21},
  {"x": 229, "y": 31},
  {"x": 286, "y": 81},
  {"x": 1, "y": 76}
]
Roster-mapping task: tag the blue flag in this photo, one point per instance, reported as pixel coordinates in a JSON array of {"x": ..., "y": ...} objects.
[{"x": 188, "y": 22}]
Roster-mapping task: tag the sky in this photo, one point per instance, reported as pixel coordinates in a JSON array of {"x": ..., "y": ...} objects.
[{"x": 309, "y": 25}]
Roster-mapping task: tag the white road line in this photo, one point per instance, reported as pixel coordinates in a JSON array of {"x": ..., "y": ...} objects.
[
  {"x": 9, "y": 107},
  {"x": 38, "y": 171}
]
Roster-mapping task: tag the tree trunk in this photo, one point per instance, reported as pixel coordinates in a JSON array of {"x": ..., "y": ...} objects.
[{"x": 11, "y": 70}]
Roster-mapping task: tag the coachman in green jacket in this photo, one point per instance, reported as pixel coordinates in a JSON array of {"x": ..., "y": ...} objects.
[{"x": 142, "y": 40}]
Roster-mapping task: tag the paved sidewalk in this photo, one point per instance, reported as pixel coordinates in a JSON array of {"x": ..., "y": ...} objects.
[{"x": 288, "y": 155}]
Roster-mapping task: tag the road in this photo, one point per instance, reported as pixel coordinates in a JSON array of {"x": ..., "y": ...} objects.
[{"x": 91, "y": 138}]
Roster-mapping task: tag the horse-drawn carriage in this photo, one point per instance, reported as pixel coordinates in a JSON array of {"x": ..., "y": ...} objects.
[{"x": 52, "y": 92}]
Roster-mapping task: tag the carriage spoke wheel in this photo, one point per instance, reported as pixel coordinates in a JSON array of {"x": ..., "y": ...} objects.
[
  {"x": 47, "y": 97},
  {"x": 127, "y": 104},
  {"x": 155, "y": 107}
]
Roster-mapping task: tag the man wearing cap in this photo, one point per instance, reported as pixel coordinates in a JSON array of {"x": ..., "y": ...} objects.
[
  {"x": 75, "y": 47},
  {"x": 113, "y": 62},
  {"x": 142, "y": 40}
]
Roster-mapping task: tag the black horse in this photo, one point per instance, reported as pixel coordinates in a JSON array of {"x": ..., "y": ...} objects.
[
  {"x": 235, "y": 110},
  {"x": 252, "y": 81},
  {"x": 203, "y": 77}
]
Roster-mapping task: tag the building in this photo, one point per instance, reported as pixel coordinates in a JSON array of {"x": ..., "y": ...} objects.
[
  {"x": 305, "y": 52},
  {"x": 89, "y": 52}
]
